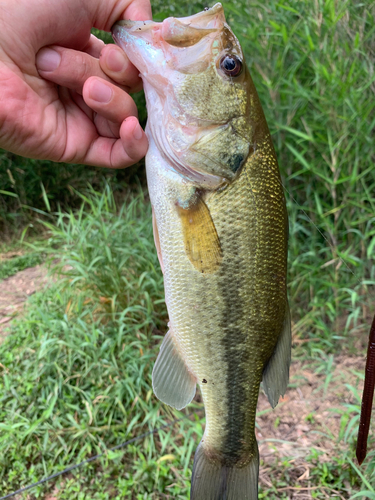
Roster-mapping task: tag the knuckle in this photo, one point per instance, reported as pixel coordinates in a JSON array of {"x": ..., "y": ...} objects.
[{"x": 79, "y": 68}]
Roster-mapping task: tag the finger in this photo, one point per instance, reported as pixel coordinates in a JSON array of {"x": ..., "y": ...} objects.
[
  {"x": 139, "y": 10},
  {"x": 107, "y": 15},
  {"x": 133, "y": 138},
  {"x": 94, "y": 46},
  {"x": 115, "y": 64},
  {"x": 68, "y": 68},
  {"x": 105, "y": 127},
  {"x": 130, "y": 148},
  {"x": 78, "y": 99},
  {"x": 108, "y": 100},
  {"x": 83, "y": 143}
]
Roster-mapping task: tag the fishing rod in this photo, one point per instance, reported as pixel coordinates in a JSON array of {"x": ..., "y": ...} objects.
[{"x": 367, "y": 398}]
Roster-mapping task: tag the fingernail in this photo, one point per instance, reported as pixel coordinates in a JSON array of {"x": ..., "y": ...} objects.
[
  {"x": 48, "y": 60},
  {"x": 100, "y": 92},
  {"x": 137, "y": 132},
  {"x": 115, "y": 61}
]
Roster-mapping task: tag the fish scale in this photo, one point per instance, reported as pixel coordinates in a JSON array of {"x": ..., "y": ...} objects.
[{"x": 220, "y": 227}]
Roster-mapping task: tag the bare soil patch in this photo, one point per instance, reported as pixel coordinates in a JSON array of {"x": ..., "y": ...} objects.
[
  {"x": 307, "y": 418},
  {"x": 15, "y": 290}
]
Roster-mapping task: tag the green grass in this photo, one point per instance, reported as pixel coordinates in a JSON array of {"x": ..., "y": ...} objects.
[
  {"x": 12, "y": 266},
  {"x": 312, "y": 63},
  {"x": 31, "y": 188},
  {"x": 76, "y": 371}
]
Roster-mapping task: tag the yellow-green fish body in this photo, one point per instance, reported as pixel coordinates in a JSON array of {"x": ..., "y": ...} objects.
[{"x": 220, "y": 228}]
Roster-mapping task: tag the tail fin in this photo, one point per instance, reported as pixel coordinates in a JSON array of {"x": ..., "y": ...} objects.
[{"x": 212, "y": 481}]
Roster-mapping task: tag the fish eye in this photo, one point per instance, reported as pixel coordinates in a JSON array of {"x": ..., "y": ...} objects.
[{"x": 231, "y": 65}]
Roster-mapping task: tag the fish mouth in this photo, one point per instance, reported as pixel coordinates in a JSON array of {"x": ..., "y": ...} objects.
[
  {"x": 182, "y": 32},
  {"x": 133, "y": 27},
  {"x": 157, "y": 50}
]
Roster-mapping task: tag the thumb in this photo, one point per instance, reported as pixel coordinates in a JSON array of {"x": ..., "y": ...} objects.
[
  {"x": 110, "y": 12},
  {"x": 138, "y": 10}
]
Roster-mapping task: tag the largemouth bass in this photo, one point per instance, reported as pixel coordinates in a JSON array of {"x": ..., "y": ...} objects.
[{"x": 220, "y": 228}]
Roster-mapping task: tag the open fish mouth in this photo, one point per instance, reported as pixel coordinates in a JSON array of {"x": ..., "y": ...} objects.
[
  {"x": 182, "y": 32},
  {"x": 198, "y": 139},
  {"x": 166, "y": 53},
  {"x": 133, "y": 27}
]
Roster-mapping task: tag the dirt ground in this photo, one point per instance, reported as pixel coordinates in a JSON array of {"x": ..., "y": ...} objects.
[
  {"x": 15, "y": 290},
  {"x": 308, "y": 416}
]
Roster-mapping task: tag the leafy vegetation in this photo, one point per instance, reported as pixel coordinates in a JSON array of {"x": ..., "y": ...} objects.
[
  {"x": 76, "y": 372},
  {"x": 12, "y": 266}
]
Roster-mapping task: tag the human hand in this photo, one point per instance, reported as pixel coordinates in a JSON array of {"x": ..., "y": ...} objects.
[{"x": 70, "y": 122}]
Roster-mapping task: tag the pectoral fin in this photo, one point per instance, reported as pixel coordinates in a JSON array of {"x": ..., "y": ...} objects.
[
  {"x": 276, "y": 373},
  {"x": 157, "y": 240},
  {"x": 201, "y": 240},
  {"x": 172, "y": 381}
]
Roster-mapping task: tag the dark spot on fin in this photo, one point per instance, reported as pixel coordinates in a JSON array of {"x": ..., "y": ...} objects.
[
  {"x": 204, "y": 381},
  {"x": 201, "y": 240}
]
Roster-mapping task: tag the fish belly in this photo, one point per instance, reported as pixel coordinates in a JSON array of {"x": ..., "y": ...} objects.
[{"x": 226, "y": 323}]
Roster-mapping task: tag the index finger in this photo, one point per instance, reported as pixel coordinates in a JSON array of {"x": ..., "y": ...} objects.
[
  {"x": 116, "y": 65},
  {"x": 73, "y": 67}
]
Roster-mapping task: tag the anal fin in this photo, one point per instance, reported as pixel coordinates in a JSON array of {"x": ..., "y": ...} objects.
[
  {"x": 276, "y": 373},
  {"x": 172, "y": 381}
]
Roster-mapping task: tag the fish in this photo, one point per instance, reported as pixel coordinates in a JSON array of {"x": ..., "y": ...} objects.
[{"x": 221, "y": 233}]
